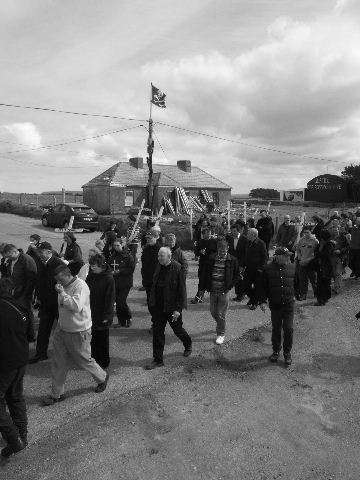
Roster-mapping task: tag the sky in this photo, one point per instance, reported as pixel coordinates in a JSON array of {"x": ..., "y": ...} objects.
[{"x": 272, "y": 73}]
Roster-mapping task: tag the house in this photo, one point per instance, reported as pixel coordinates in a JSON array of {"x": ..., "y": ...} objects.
[{"x": 123, "y": 185}]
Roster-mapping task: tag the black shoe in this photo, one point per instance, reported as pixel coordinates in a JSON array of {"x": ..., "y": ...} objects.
[
  {"x": 274, "y": 357},
  {"x": 48, "y": 401},
  {"x": 38, "y": 358},
  {"x": 101, "y": 387},
  {"x": 288, "y": 359},
  {"x": 187, "y": 352},
  {"x": 12, "y": 449},
  {"x": 153, "y": 365}
]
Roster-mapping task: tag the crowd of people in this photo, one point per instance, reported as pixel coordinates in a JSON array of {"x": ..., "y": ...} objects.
[{"x": 79, "y": 299}]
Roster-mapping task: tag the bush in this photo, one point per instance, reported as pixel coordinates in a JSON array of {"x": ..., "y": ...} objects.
[{"x": 22, "y": 210}]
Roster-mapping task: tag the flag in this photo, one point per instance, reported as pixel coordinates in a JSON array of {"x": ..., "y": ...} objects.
[{"x": 157, "y": 97}]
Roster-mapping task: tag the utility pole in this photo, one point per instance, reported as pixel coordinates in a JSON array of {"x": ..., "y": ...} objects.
[{"x": 150, "y": 151}]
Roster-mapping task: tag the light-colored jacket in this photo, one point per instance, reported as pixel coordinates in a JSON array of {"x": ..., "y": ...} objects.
[
  {"x": 74, "y": 307},
  {"x": 305, "y": 250}
]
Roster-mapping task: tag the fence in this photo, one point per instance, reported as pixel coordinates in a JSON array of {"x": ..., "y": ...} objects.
[{"x": 41, "y": 199}]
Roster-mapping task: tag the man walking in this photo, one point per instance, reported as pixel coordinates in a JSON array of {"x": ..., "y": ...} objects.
[
  {"x": 48, "y": 298},
  {"x": 305, "y": 255},
  {"x": 254, "y": 262},
  {"x": 167, "y": 300},
  {"x": 204, "y": 248},
  {"x": 149, "y": 262},
  {"x": 14, "y": 353},
  {"x": 22, "y": 271},
  {"x": 277, "y": 286},
  {"x": 238, "y": 241},
  {"x": 73, "y": 335},
  {"x": 218, "y": 277},
  {"x": 122, "y": 264},
  {"x": 265, "y": 227}
]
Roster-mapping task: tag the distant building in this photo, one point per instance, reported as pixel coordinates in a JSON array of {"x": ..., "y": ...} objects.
[
  {"x": 123, "y": 186},
  {"x": 323, "y": 188}
]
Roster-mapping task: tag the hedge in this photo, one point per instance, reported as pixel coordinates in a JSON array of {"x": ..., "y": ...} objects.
[{"x": 22, "y": 210}]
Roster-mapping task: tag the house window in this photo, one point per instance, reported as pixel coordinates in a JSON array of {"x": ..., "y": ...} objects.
[
  {"x": 215, "y": 197},
  {"x": 129, "y": 198}
]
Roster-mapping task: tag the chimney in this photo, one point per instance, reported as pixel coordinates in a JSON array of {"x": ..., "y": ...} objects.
[
  {"x": 137, "y": 162},
  {"x": 184, "y": 165}
]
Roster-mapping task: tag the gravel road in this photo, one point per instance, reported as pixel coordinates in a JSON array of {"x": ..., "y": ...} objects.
[{"x": 224, "y": 413}]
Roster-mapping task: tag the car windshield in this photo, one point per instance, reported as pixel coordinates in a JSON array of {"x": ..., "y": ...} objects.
[{"x": 83, "y": 210}]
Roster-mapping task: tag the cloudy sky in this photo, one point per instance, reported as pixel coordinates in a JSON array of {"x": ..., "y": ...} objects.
[{"x": 279, "y": 73}]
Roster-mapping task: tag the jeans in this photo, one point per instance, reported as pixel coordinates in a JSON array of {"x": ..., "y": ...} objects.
[
  {"x": 72, "y": 347},
  {"x": 282, "y": 319},
  {"x": 160, "y": 320},
  {"x": 14, "y": 423},
  {"x": 219, "y": 304},
  {"x": 100, "y": 347},
  {"x": 306, "y": 273},
  {"x": 123, "y": 311},
  {"x": 47, "y": 319}
]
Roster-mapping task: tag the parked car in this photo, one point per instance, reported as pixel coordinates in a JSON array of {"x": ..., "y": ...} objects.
[{"x": 59, "y": 216}]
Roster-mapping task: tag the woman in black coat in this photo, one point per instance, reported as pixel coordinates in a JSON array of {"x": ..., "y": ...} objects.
[
  {"x": 324, "y": 267},
  {"x": 73, "y": 254},
  {"x": 102, "y": 297}
]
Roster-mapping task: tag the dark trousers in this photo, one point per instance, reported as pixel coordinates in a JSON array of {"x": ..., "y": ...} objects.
[
  {"x": 47, "y": 318},
  {"x": 148, "y": 291},
  {"x": 26, "y": 305},
  {"x": 160, "y": 320},
  {"x": 355, "y": 261},
  {"x": 323, "y": 290},
  {"x": 123, "y": 311},
  {"x": 13, "y": 419},
  {"x": 282, "y": 319},
  {"x": 305, "y": 273},
  {"x": 249, "y": 285},
  {"x": 100, "y": 347}
]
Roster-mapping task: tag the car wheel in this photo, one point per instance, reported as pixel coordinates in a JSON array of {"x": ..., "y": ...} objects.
[{"x": 45, "y": 222}]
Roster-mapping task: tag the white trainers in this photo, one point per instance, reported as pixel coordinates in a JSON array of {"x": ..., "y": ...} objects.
[{"x": 220, "y": 339}]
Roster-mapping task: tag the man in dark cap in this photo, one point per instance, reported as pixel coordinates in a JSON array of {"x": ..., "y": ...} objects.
[
  {"x": 277, "y": 286},
  {"x": 48, "y": 298}
]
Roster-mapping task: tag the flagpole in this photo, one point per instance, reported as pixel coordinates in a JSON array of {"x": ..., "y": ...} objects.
[{"x": 150, "y": 149}]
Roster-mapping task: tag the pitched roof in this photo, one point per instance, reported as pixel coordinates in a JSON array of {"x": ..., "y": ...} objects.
[{"x": 124, "y": 174}]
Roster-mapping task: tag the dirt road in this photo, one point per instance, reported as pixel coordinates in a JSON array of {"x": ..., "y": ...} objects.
[{"x": 224, "y": 413}]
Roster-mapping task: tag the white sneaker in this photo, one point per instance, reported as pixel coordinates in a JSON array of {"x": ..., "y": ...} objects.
[{"x": 220, "y": 339}]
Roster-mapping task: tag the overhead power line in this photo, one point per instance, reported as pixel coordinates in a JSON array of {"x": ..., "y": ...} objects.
[
  {"x": 240, "y": 142},
  {"x": 68, "y": 112},
  {"x": 67, "y": 142}
]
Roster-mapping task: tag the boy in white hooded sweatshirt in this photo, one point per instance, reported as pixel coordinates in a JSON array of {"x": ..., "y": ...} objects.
[{"x": 72, "y": 335}]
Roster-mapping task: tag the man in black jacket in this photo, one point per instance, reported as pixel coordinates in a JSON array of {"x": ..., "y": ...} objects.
[
  {"x": 22, "y": 271},
  {"x": 238, "y": 241},
  {"x": 48, "y": 298},
  {"x": 277, "y": 285},
  {"x": 176, "y": 252},
  {"x": 14, "y": 354},
  {"x": 122, "y": 264},
  {"x": 265, "y": 227},
  {"x": 149, "y": 262},
  {"x": 218, "y": 277},
  {"x": 167, "y": 300},
  {"x": 255, "y": 259},
  {"x": 102, "y": 297},
  {"x": 204, "y": 248}
]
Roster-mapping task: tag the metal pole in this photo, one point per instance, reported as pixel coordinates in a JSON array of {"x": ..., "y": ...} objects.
[{"x": 63, "y": 192}]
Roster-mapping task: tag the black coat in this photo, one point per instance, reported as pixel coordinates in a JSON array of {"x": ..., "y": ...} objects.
[
  {"x": 14, "y": 346},
  {"x": 240, "y": 250},
  {"x": 256, "y": 255},
  {"x": 149, "y": 262},
  {"x": 231, "y": 273},
  {"x": 266, "y": 230},
  {"x": 122, "y": 265},
  {"x": 24, "y": 277},
  {"x": 179, "y": 256},
  {"x": 73, "y": 255},
  {"x": 175, "y": 297},
  {"x": 276, "y": 284},
  {"x": 46, "y": 283},
  {"x": 102, "y": 298},
  {"x": 210, "y": 247}
]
